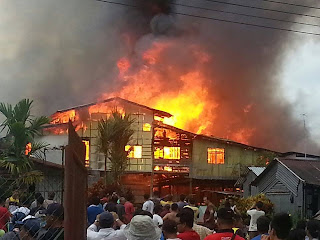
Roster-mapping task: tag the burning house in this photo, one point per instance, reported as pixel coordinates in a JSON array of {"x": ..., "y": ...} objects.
[{"x": 161, "y": 157}]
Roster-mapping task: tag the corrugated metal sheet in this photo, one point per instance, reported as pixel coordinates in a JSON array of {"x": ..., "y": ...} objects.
[
  {"x": 257, "y": 170},
  {"x": 287, "y": 178},
  {"x": 268, "y": 181}
]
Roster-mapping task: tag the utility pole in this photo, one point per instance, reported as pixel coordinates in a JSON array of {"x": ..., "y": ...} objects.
[{"x": 305, "y": 134}]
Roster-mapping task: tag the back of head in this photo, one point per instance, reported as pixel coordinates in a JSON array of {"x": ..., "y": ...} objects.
[
  {"x": 114, "y": 199},
  {"x": 106, "y": 220},
  {"x": 263, "y": 223},
  {"x": 226, "y": 217},
  {"x": 186, "y": 216},
  {"x": 55, "y": 210},
  {"x": 313, "y": 228},
  {"x": 40, "y": 200},
  {"x": 192, "y": 201},
  {"x": 37, "y": 195},
  {"x": 32, "y": 226},
  {"x": 259, "y": 205},
  {"x": 281, "y": 224},
  {"x": 146, "y": 196},
  {"x": 51, "y": 195},
  {"x": 157, "y": 209},
  {"x": 174, "y": 207},
  {"x": 169, "y": 226},
  {"x": 182, "y": 197},
  {"x": 297, "y": 234},
  {"x": 169, "y": 197},
  {"x": 95, "y": 200}
]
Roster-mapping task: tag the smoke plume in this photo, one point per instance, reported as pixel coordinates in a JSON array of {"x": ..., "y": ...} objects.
[{"x": 64, "y": 53}]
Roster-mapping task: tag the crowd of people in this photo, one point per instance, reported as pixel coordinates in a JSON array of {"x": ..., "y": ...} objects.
[
  {"x": 22, "y": 218},
  {"x": 116, "y": 218}
]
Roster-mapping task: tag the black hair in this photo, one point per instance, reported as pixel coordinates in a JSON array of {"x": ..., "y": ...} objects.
[
  {"x": 301, "y": 224},
  {"x": 37, "y": 195},
  {"x": 186, "y": 216},
  {"x": 192, "y": 201},
  {"x": 114, "y": 199},
  {"x": 40, "y": 200},
  {"x": 157, "y": 209},
  {"x": 143, "y": 213},
  {"x": 313, "y": 227},
  {"x": 263, "y": 223},
  {"x": 227, "y": 204},
  {"x": 297, "y": 234},
  {"x": 226, "y": 216},
  {"x": 166, "y": 207},
  {"x": 51, "y": 195},
  {"x": 25, "y": 201},
  {"x": 95, "y": 201},
  {"x": 146, "y": 196},
  {"x": 169, "y": 226},
  {"x": 169, "y": 197},
  {"x": 282, "y": 225},
  {"x": 259, "y": 205},
  {"x": 182, "y": 197},
  {"x": 174, "y": 207}
]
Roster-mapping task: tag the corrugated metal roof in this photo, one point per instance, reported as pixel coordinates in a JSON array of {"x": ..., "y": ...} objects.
[
  {"x": 308, "y": 170},
  {"x": 257, "y": 170}
]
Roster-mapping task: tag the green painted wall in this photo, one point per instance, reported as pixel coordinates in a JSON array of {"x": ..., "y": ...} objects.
[{"x": 236, "y": 157}]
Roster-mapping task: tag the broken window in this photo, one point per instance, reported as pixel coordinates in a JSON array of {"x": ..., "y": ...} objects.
[
  {"x": 147, "y": 127},
  {"x": 87, "y": 156},
  {"x": 216, "y": 155},
  {"x": 167, "y": 153},
  {"x": 134, "y": 151}
]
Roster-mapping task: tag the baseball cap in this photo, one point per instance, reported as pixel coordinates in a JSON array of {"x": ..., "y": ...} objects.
[
  {"x": 225, "y": 213},
  {"x": 32, "y": 226},
  {"x": 106, "y": 219},
  {"x": 55, "y": 209}
]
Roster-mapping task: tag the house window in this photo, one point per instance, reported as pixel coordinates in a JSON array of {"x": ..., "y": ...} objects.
[
  {"x": 87, "y": 156},
  {"x": 134, "y": 151},
  {"x": 216, "y": 155},
  {"x": 167, "y": 153},
  {"x": 147, "y": 127}
]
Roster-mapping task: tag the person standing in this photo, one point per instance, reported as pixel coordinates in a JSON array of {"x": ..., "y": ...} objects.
[
  {"x": 182, "y": 203},
  {"x": 121, "y": 211},
  {"x": 103, "y": 228},
  {"x": 225, "y": 224},
  {"x": 169, "y": 229},
  {"x": 208, "y": 217},
  {"x": 280, "y": 227},
  {"x": 172, "y": 215},
  {"x": 12, "y": 203},
  {"x": 37, "y": 196},
  {"x": 129, "y": 209},
  {"x": 255, "y": 212},
  {"x": 185, "y": 225},
  {"x": 148, "y": 205},
  {"x": 263, "y": 224},
  {"x": 50, "y": 199},
  {"x": 93, "y": 210},
  {"x": 192, "y": 205},
  {"x": 4, "y": 216}
]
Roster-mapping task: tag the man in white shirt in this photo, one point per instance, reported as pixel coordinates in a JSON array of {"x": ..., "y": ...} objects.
[
  {"x": 148, "y": 204},
  {"x": 255, "y": 212},
  {"x": 106, "y": 221}
]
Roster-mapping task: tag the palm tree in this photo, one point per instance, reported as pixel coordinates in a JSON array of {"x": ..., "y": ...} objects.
[
  {"x": 114, "y": 134},
  {"x": 19, "y": 144}
]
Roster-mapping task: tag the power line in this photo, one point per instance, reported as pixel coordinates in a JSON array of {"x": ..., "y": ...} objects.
[
  {"x": 246, "y": 15},
  {"x": 220, "y": 20},
  {"x": 291, "y": 4},
  {"x": 264, "y": 9}
]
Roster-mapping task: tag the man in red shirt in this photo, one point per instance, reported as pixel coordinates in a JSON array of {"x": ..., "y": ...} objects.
[
  {"x": 225, "y": 225},
  {"x": 185, "y": 223},
  {"x": 4, "y": 216},
  {"x": 129, "y": 209}
]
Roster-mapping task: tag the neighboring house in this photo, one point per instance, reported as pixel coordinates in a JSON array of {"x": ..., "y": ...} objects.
[
  {"x": 293, "y": 185},
  {"x": 161, "y": 156},
  {"x": 247, "y": 177}
]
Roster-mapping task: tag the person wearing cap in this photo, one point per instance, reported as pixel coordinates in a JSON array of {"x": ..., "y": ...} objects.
[
  {"x": 185, "y": 224},
  {"x": 106, "y": 221},
  {"x": 30, "y": 229},
  {"x": 54, "y": 223},
  {"x": 94, "y": 210},
  {"x": 142, "y": 227},
  {"x": 225, "y": 225}
]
